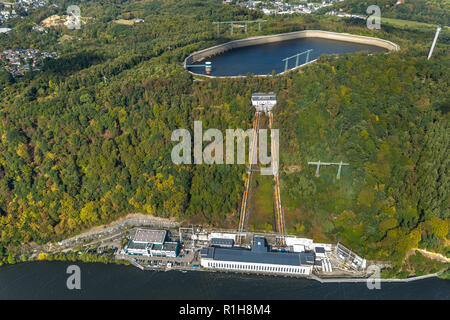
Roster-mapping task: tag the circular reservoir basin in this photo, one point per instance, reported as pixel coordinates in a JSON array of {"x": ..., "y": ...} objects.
[{"x": 264, "y": 55}]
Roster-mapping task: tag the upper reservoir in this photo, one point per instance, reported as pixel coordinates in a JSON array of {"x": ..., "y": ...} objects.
[{"x": 263, "y": 55}]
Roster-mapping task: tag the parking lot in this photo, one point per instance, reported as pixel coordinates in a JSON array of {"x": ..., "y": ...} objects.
[{"x": 185, "y": 259}]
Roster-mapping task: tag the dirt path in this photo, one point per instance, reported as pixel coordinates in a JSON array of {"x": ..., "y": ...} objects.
[
  {"x": 128, "y": 217},
  {"x": 119, "y": 225},
  {"x": 430, "y": 255}
]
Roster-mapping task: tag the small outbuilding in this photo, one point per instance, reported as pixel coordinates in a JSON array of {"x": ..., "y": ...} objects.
[{"x": 264, "y": 102}]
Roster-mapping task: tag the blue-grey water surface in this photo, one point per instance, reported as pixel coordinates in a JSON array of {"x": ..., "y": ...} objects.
[
  {"x": 47, "y": 280},
  {"x": 263, "y": 59}
]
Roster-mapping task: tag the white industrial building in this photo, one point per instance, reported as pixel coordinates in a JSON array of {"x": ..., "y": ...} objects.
[
  {"x": 258, "y": 259},
  {"x": 264, "y": 102},
  {"x": 152, "y": 243}
]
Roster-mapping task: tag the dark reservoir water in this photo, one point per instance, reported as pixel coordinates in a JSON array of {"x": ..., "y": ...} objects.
[
  {"x": 47, "y": 280},
  {"x": 263, "y": 59}
]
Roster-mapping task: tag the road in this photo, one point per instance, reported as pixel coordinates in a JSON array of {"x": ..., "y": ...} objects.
[
  {"x": 279, "y": 210},
  {"x": 253, "y": 147}
]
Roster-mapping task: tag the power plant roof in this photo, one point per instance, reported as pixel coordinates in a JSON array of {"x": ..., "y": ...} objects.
[
  {"x": 222, "y": 242},
  {"x": 149, "y": 236},
  {"x": 259, "y": 253},
  {"x": 264, "y": 96}
]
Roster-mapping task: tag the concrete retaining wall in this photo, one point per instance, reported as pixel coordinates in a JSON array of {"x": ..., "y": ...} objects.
[
  {"x": 221, "y": 48},
  {"x": 353, "y": 280}
]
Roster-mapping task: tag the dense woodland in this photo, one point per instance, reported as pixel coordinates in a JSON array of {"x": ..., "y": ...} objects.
[
  {"x": 88, "y": 138},
  {"x": 429, "y": 11}
]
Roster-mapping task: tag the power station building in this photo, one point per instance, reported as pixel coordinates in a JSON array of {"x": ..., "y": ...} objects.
[
  {"x": 264, "y": 102},
  {"x": 152, "y": 243},
  {"x": 259, "y": 258}
]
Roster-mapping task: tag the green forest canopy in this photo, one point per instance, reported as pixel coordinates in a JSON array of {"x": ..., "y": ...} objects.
[{"x": 87, "y": 139}]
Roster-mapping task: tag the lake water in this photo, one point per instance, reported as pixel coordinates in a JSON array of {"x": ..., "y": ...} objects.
[
  {"x": 263, "y": 59},
  {"x": 47, "y": 280}
]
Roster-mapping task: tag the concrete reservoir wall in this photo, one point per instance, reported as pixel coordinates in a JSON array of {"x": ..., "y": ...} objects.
[{"x": 203, "y": 54}]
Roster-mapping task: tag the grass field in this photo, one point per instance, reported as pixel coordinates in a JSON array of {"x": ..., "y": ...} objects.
[
  {"x": 125, "y": 22},
  {"x": 407, "y": 24},
  {"x": 261, "y": 203}
]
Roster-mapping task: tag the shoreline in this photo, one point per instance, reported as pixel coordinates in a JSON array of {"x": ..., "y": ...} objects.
[{"x": 340, "y": 279}]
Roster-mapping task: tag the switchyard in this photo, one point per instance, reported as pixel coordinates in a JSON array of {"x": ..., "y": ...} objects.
[{"x": 237, "y": 24}]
